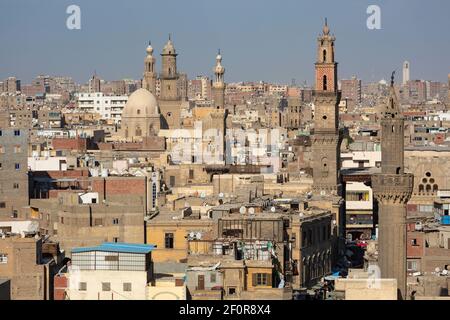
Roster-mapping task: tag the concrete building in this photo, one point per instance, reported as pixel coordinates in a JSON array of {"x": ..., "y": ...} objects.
[
  {"x": 14, "y": 197},
  {"x": 351, "y": 92},
  {"x": 392, "y": 189},
  {"x": 30, "y": 263},
  {"x": 110, "y": 271},
  {"x": 108, "y": 107}
]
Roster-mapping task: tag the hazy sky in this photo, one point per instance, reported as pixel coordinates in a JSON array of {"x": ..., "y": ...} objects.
[{"x": 260, "y": 40}]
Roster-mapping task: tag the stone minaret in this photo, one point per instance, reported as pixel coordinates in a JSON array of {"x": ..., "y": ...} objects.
[
  {"x": 392, "y": 189},
  {"x": 218, "y": 87},
  {"x": 169, "y": 75},
  {"x": 327, "y": 137},
  {"x": 149, "y": 79}
]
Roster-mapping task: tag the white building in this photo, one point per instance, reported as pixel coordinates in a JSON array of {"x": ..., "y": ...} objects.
[
  {"x": 361, "y": 159},
  {"x": 109, "y": 107},
  {"x": 110, "y": 271}
]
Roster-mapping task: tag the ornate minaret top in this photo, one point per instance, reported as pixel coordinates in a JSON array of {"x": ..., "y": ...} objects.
[
  {"x": 219, "y": 70},
  {"x": 149, "y": 79},
  {"x": 392, "y": 141},
  {"x": 169, "y": 75},
  {"x": 326, "y": 67}
]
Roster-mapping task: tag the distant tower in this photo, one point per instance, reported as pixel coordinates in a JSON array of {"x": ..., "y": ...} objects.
[
  {"x": 169, "y": 75},
  {"x": 170, "y": 95},
  {"x": 405, "y": 72},
  {"x": 392, "y": 189},
  {"x": 218, "y": 87},
  {"x": 94, "y": 83},
  {"x": 327, "y": 137},
  {"x": 149, "y": 79}
]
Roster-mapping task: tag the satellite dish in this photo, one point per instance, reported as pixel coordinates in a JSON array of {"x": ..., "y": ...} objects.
[
  {"x": 273, "y": 209},
  {"x": 301, "y": 214},
  {"x": 202, "y": 195},
  {"x": 198, "y": 236},
  {"x": 437, "y": 270},
  {"x": 221, "y": 195},
  {"x": 186, "y": 204},
  {"x": 191, "y": 235},
  {"x": 251, "y": 210},
  {"x": 242, "y": 210},
  {"x": 445, "y": 272}
]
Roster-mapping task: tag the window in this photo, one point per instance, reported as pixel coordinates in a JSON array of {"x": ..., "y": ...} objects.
[
  {"x": 191, "y": 174},
  {"x": 0, "y": 165},
  {"x": 127, "y": 286},
  {"x": 62, "y": 220},
  {"x": 82, "y": 286},
  {"x": 116, "y": 221},
  {"x": 168, "y": 240},
  {"x": 212, "y": 278},
  {"x": 412, "y": 265},
  {"x": 2, "y": 205},
  {"x": 2, "y": 149},
  {"x": 17, "y": 149},
  {"x": 262, "y": 279},
  {"x": 115, "y": 239},
  {"x": 231, "y": 291},
  {"x": 414, "y": 242},
  {"x": 3, "y": 258},
  {"x": 1, "y": 133},
  {"x": 16, "y": 133},
  {"x": 325, "y": 84},
  {"x": 15, "y": 185},
  {"x": 98, "y": 222},
  {"x": 106, "y": 286},
  {"x": 17, "y": 166}
]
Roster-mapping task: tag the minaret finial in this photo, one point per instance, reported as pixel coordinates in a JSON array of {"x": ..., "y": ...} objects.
[
  {"x": 170, "y": 36},
  {"x": 392, "y": 78},
  {"x": 326, "y": 21},
  {"x": 218, "y": 51},
  {"x": 149, "y": 42}
]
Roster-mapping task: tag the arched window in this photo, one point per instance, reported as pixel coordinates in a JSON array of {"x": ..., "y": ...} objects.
[
  {"x": 324, "y": 54},
  {"x": 428, "y": 188},
  {"x": 325, "y": 84},
  {"x": 435, "y": 188},
  {"x": 138, "y": 111},
  {"x": 421, "y": 188},
  {"x": 138, "y": 132}
]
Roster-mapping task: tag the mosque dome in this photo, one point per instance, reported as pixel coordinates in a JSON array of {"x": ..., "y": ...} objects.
[{"x": 141, "y": 103}]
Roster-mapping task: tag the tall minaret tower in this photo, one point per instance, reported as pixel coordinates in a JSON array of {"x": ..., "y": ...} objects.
[
  {"x": 392, "y": 189},
  {"x": 406, "y": 72},
  {"x": 218, "y": 87},
  {"x": 169, "y": 75},
  {"x": 327, "y": 137},
  {"x": 149, "y": 79}
]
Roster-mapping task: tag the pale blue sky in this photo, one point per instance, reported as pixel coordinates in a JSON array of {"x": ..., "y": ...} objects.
[{"x": 260, "y": 40}]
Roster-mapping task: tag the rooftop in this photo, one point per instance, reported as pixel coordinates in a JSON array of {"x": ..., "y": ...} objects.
[{"x": 118, "y": 247}]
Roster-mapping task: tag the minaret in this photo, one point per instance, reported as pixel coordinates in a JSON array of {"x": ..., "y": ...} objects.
[
  {"x": 406, "y": 72},
  {"x": 392, "y": 189},
  {"x": 327, "y": 137},
  {"x": 218, "y": 87},
  {"x": 169, "y": 75},
  {"x": 149, "y": 79}
]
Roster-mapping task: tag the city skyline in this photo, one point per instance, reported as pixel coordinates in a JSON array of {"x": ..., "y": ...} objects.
[{"x": 115, "y": 50}]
